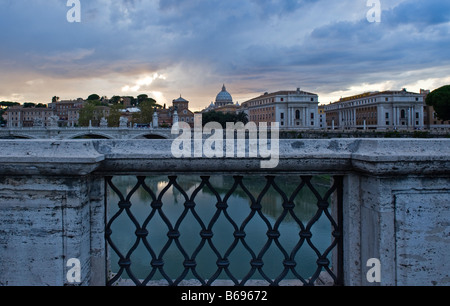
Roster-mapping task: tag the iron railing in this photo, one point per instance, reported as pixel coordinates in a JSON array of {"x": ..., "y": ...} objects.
[{"x": 328, "y": 205}]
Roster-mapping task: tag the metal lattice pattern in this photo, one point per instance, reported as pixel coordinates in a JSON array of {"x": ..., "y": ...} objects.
[{"x": 156, "y": 259}]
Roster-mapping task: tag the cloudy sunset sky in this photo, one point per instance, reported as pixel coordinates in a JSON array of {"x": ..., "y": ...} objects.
[{"x": 165, "y": 48}]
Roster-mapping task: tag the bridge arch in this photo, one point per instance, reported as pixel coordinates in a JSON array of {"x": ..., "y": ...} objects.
[
  {"x": 20, "y": 136},
  {"x": 151, "y": 135},
  {"x": 92, "y": 135}
]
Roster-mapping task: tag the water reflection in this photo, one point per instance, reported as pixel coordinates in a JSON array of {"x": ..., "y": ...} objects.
[{"x": 238, "y": 210}]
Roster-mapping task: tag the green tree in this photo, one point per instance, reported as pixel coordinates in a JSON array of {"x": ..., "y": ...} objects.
[
  {"x": 94, "y": 97},
  {"x": 214, "y": 116},
  {"x": 242, "y": 117},
  {"x": 2, "y": 121},
  {"x": 440, "y": 100},
  {"x": 224, "y": 118},
  {"x": 8, "y": 104},
  {"x": 114, "y": 115},
  {"x": 145, "y": 116},
  {"x": 55, "y": 99},
  {"x": 141, "y": 98},
  {"x": 116, "y": 100},
  {"x": 87, "y": 114},
  {"x": 29, "y": 105}
]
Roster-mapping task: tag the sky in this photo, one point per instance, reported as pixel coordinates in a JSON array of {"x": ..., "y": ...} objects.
[{"x": 168, "y": 48}]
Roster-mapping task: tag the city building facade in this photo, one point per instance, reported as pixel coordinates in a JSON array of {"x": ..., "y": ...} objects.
[
  {"x": 67, "y": 111},
  {"x": 296, "y": 109},
  {"x": 387, "y": 110},
  {"x": 178, "y": 112},
  {"x": 292, "y": 109},
  {"x": 322, "y": 117},
  {"x": 19, "y": 116}
]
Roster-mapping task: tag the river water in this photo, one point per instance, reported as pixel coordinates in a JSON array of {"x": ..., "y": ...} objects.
[{"x": 123, "y": 229}]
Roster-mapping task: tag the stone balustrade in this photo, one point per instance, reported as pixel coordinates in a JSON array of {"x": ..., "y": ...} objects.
[{"x": 396, "y": 202}]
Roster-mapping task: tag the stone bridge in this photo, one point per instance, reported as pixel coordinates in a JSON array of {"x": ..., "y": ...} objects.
[{"x": 88, "y": 132}]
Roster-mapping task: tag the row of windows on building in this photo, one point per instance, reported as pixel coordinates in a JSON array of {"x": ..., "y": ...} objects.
[
  {"x": 263, "y": 109},
  {"x": 297, "y": 123},
  {"x": 261, "y": 102},
  {"x": 269, "y": 116},
  {"x": 363, "y": 102},
  {"x": 268, "y": 101},
  {"x": 401, "y": 123},
  {"x": 187, "y": 119},
  {"x": 297, "y": 115},
  {"x": 403, "y": 115}
]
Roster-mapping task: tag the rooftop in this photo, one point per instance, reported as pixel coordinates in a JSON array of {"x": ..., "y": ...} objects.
[
  {"x": 377, "y": 93},
  {"x": 283, "y": 93},
  {"x": 180, "y": 99}
]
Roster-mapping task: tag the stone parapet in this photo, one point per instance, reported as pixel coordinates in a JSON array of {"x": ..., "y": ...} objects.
[{"x": 396, "y": 202}]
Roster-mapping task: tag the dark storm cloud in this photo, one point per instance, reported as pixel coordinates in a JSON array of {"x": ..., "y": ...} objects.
[{"x": 262, "y": 43}]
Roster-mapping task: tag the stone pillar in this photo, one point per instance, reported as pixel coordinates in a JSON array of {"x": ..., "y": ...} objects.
[
  {"x": 347, "y": 115},
  {"x": 408, "y": 118},
  {"x": 394, "y": 117},
  {"x": 353, "y": 268},
  {"x": 403, "y": 224},
  {"x": 51, "y": 210},
  {"x": 47, "y": 221},
  {"x": 397, "y": 117},
  {"x": 317, "y": 117},
  {"x": 293, "y": 118},
  {"x": 288, "y": 117},
  {"x": 381, "y": 117},
  {"x": 305, "y": 117},
  {"x": 398, "y": 212},
  {"x": 349, "y": 118},
  {"x": 421, "y": 119},
  {"x": 346, "y": 119}
]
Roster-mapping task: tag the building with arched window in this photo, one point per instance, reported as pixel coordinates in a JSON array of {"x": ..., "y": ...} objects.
[
  {"x": 377, "y": 111},
  {"x": 179, "y": 111},
  {"x": 292, "y": 109}
]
